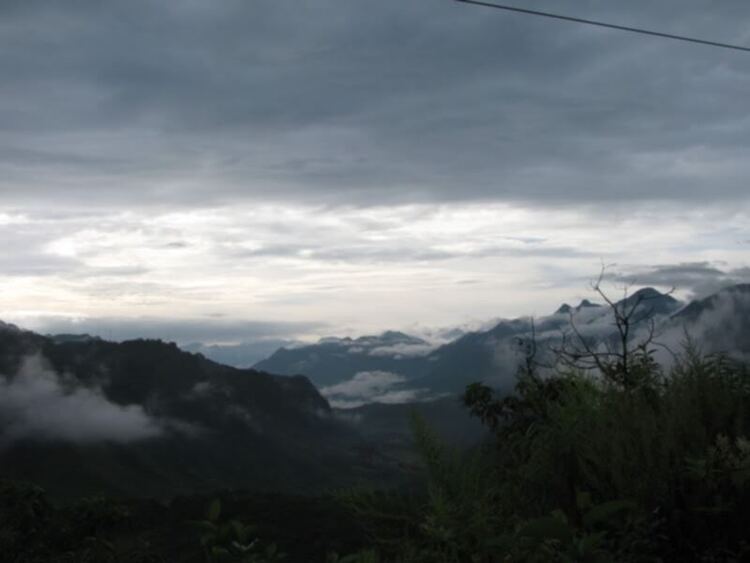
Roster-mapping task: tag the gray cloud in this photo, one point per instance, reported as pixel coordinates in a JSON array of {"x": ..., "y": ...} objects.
[
  {"x": 721, "y": 326},
  {"x": 403, "y": 350},
  {"x": 379, "y": 251},
  {"x": 360, "y": 102},
  {"x": 27, "y": 253},
  {"x": 698, "y": 278},
  {"x": 372, "y": 387},
  {"x": 37, "y": 403},
  {"x": 185, "y": 331},
  {"x": 269, "y": 160},
  {"x": 725, "y": 327}
]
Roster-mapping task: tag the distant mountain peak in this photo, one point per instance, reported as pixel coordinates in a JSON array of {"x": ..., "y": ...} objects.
[
  {"x": 647, "y": 292},
  {"x": 564, "y": 309},
  {"x": 389, "y": 337},
  {"x": 651, "y": 300},
  {"x": 651, "y": 293},
  {"x": 395, "y": 336},
  {"x": 391, "y": 334},
  {"x": 586, "y": 304}
]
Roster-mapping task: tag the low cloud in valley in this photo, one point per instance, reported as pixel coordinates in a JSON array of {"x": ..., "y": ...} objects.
[{"x": 37, "y": 403}]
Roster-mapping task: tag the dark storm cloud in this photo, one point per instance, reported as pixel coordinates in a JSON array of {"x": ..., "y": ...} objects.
[{"x": 359, "y": 102}]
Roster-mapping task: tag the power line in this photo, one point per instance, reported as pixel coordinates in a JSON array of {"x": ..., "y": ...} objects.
[{"x": 607, "y": 25}]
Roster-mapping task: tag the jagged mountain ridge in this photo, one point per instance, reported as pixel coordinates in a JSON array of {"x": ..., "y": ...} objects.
[
  {"x": 474, "y": 356},
  {"x": 566, "y": 309},
  {"x": 492, "y": 356}
]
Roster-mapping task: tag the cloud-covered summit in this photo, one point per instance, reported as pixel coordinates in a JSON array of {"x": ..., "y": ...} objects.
[{"x": 698, "y": 278}]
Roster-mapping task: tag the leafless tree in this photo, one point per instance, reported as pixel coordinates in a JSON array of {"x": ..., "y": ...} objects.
[{"x": 624, "y": 358}]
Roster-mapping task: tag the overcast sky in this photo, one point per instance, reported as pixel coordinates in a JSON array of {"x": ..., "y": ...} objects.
[{"x": 230, "y": 170}]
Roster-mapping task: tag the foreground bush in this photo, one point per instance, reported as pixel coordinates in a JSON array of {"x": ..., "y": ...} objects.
[{"x": 585, "y": 468}]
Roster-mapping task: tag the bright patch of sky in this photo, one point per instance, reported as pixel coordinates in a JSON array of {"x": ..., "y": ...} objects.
[{"x": 350, "y": 270}]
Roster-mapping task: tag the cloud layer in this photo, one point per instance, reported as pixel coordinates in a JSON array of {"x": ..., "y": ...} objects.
[
  {"x": 359, "y": 162},
  {"x": 361, "y": 102},
  {"x": 39, "y": 404},
  {"x": 700, "y": 279},
  {"x": 371, "y": 387}
]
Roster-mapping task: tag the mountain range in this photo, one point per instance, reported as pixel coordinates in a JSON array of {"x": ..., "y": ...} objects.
[
  {"x": 395, "y": 367},
  {"x": 79, "y": 414}
]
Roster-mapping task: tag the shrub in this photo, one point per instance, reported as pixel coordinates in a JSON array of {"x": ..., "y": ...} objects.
[{"x": 583, "y": 468}]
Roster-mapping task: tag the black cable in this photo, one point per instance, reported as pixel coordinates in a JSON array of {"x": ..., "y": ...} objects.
[{"x": 607, "y": 25}]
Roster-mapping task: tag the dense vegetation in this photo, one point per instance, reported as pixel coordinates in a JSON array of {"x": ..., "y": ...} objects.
[
  {"x": 229, "y": 526},
  {"x": 580, "y": 468},
  {"x": 648, "y": 467}
]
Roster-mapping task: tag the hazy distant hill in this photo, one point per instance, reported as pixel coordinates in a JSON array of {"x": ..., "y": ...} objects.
[
  {"x": 492, "y": 356},
  {"x": 334, "y": 360},
  {"x": 145, "y": 418},
  {"x": 734, "y": 296},
  {"x": 719, "y": 322},
  {"x": 242, "y": 355},
  {"x": 395, "y": 367}
]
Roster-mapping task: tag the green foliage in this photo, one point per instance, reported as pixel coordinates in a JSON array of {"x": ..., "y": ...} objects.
[
  {"x": 388, "y": 517},
  {"x": 459, "y": 512},
  {"x": 232, "y": 540},
  {"x": 33, "y": 530},
  {"x": 366, "y": 556},
  {"x": 95, "y": 515},
  {"x": 24, "y": 514},
  {"x": 454, "y": 515},
  {"x": 586, "y": 468},
  {"x": 650, "y": 467}
]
